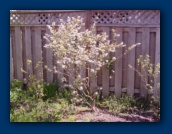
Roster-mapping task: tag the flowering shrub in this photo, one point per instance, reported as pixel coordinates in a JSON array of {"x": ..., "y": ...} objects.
[
  {"x": 76, "y": 50},
  {"x": 148, "y": 73},
  {"x": 34, "y": 82}
]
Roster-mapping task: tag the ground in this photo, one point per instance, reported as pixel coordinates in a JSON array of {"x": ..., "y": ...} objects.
[{"x": 86, "y": 115}]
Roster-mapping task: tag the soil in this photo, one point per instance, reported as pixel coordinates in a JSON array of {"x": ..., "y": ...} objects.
[{"x": 86, "y": 115}]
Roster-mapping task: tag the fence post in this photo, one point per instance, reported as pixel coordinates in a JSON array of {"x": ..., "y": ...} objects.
[
  {"x": 105, "y": 72},
  {"x": 11, "y": 62},
  {"x": 49, "y": 61},
  {"x": 157, "y": 60},
  {"x": 131, "y": 61},
  {"x": 118, "y": 66},
  {"x": 145, "y": 50},
  {"x": 37, "y": 51},
  {"x": 18, "y": 53},
  {"x": 27, "y": 51}
]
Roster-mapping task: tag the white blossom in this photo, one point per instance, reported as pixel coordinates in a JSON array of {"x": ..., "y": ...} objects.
[
  {"x": 80, "y": 88},
  {"x": 75, "y": 50},
  {"x": 114, "y": 58}
]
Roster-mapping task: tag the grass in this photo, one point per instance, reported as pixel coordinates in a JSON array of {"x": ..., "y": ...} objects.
[
  {"x": 126, "y": 106},
  {"x": 56, "y": 106}
]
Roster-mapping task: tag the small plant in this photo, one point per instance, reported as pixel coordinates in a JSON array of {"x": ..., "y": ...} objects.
[
  {"x": 42, "y": 112},
  {"x": 149, "y": 74},
  {"x": 24, "y": 107},
  {"x": 16, "y": 84},
  {"x": 34, "y": 82},
  {"x": 80, "y": 96},
  {"x": 50, "y": 90},
  {"x": 148, "y": 70},
  {"x": 127, "y": 105}
]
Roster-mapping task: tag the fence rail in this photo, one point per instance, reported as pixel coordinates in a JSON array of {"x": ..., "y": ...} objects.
[{"x": 26, "y": 43}]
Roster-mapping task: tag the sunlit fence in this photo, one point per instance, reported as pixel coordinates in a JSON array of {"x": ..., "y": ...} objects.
[{"x": 27, "y": 29}]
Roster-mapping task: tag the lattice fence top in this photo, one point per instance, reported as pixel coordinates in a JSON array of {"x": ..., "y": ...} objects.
[
  {"x": 102, "y": 17},
  {"x": 126, "y": 17},
  {"x": 44, "y": 18}
]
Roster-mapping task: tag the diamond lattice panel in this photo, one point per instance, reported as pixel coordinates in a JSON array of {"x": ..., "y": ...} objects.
[
  {"x": 105, "y": 17},
  {"x": 126, "y": 17},
  {"x": 40, "y": 18}
]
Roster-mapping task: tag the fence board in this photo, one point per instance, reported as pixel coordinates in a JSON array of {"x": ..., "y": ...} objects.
[
  {"x": 145, "y": 50},
  {"x": 138, "y": 52},
  {"x": 27, "y": 54},
  {"x": 13, "y": 53},
  {"x": 44, "y": 54},
  {"x": 55, "y": 67},
  {"x": 49, "y": 61},
  {"x": 11, "y": 62},
  {"x": 72, "y": 73},
  {"x": 83, "y": 70},
  {"x": 105, "y": 72},
  {"x": 99, "y": 77},
  {"x": 60, "y": 75},
  {"x": 124, "y": 60},
  {"x": 24, "y": 54},
  {"x": 99, "y": 73},
  {"x": 157, "y": 60},
  {"x": 112, "y": 67},
  {"x": 118, "y": 66},
  {"x": 93, "y": 83},
  {"x": 37, "y": 53},
  {"x": 18, "y": 53},
  {"x": 131, "y": 61},
  {"x": 152, "y": 45}
]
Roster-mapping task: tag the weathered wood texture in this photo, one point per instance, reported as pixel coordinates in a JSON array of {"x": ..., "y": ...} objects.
[
  {"x": 17, "y": 53},
  {"x": 11, "y": 62},
  {"x": 118, "y": 66},
  {"x": 27, "y": 43},
  {"x": 145, "y": 50},
  {"x": 105, "y": 72},
  {"x": 27, "y": 52}
]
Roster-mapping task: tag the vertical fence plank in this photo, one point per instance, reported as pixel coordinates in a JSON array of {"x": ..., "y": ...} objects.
[
  {"x": 70, "y": 77},
  {"x": 131, "y": 61},
  {"x": 27, "y": 50},
  {"x": 49, "y": 61},
  {"x": 112, "y": 67},
  {"x": 44, "y": 54},
  {"x": 60, "y": 75},
  {"x": 138, "y": 52},
  {"x": 118, "y": 66},
  {"x": 71, "y": 74},
  {"x": 11, "y": 61},
  {"x": 157, "y": 60},
  {"x": 152, "y": 45},
  {"x": 18, "y": 53},
  {"x": 83, "y": 70},
  {"x": 13, "y": 53},
  {"x": 37, "y": 53},
  {"x": 124, "y": 60},
  {"x": 105, "y": 72},
  {"x": 99, "y": 73},
  {"x": 93, "y": 83},
  {"x": 145, "y": 50},
  {"x": 55, "y": 66}
]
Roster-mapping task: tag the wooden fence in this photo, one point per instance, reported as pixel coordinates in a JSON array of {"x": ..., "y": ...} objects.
[{"x": 27, "y": 29}]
